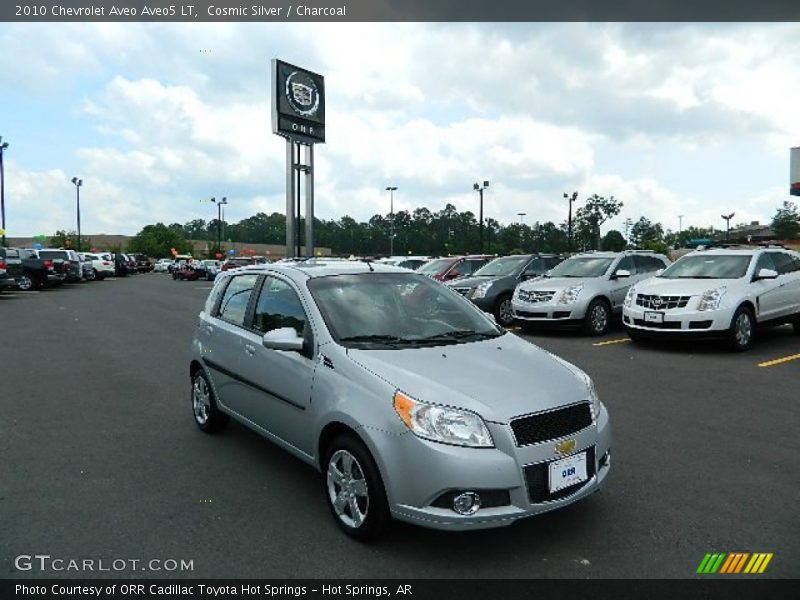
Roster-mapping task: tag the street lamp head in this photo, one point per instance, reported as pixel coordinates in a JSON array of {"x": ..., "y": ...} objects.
[
  {"x": 391, "y": 188},
  {"x": 485, "y": 184},
  {"x": 214, "y": 199},
  {"x": 476, "y": 187},
  {"x": 80, "y": 182},
  {"x": 75, "y": 180},
  {"x": 4, "y": 145},
  {"x": 224, "y": 200}
]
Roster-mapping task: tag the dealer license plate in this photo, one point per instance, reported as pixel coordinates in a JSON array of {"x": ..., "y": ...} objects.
[
  {"x": 654, "y": 317},
  {"x": 567, "y": 471}
]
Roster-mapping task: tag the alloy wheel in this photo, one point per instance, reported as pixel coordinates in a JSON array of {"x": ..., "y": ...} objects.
[
  {"x": 505, "y": 313},
  {"x": 201, "y": 400},
  {"x": 743, "y": 330},
  {"x": 347, "y": 489},
  {"x": 599, "y": 318},
  {"x": 25, "y": 283}
]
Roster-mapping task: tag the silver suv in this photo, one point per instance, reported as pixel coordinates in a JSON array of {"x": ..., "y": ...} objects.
[
  {"x": 441, "y": 419},
  {"x": 585, "y": 290}
]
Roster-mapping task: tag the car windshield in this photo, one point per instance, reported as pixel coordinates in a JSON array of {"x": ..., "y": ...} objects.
[
  {"x": 391, "y": 310},
  {"x": 582, "y": 266},
  {"x": 435, "y": 266},
  {"x": 708, "y": 266},
  {"x": 500, "y": 267}
]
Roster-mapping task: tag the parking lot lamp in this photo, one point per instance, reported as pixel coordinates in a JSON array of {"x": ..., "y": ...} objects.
[
  {"x": 219, "y": 204},
  {"x": 727, "y": 219},
  {"x": 391, "y": 190},
  {"x": 571, "y": 199},
  {"x": 3, "y": 146},
  {"x": 78, "y": 183},
  {"x": 479, "y": 188}
]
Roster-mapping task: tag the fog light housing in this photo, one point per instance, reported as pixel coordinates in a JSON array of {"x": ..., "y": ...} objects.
[
  {"x": 605, "y": 460},
  {"x": 467, "y": 503}
]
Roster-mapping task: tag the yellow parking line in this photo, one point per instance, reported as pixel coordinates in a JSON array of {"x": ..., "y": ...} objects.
[
  {"x": 779, "y": 361},
  {"x": 609, "y": 342}
]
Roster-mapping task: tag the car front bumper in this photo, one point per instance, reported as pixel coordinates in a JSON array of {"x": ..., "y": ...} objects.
[
  {"x": 417, "y": 472},
  {"x": 548, "y": 312},
  {"x": 678, "y": 322}
]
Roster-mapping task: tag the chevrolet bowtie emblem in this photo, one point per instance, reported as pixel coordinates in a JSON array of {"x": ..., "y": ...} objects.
[{"x": 565, "y": 446}]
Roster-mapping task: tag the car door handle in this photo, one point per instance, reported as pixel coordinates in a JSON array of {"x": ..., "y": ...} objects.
[
  {"x": 209, "y": 329},
  {"x": 250, "y": 349}
]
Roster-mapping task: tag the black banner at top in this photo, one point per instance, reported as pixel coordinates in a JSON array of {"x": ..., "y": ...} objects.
[{"x": 399, "y": 10}]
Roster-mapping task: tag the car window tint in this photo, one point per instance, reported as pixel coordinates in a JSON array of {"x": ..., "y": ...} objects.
[
  {"x": 765, "y": 262},
  {"x": 783, "y": 262},
  {"x": 233, "y": 307},
  {"x": 627, "y": 264},
  {"x": 278, "y": 306}
]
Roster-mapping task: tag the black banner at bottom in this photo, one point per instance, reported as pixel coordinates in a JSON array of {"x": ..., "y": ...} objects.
[{"x": 419, "y": 589}]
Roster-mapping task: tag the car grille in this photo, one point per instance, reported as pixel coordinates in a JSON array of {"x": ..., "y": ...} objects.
[
  {"x": 535, "y": 296},
  {"x": 551, "y": 424},
  {"x": 536, "y": 478},
  {"x": 661, "y": 302},
  {"x": 462, "y": 290},
  {"x": 664, "y": 325}
]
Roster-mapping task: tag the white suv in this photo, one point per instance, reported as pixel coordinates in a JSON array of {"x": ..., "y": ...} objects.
[
  {"x": 102, "y": 267},
  {"x": 724, "y": 292}
]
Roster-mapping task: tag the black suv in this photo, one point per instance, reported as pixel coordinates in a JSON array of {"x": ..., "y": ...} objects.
[
  {"x": 10, "y": 268},
  {"x": 492, "y": 286}
]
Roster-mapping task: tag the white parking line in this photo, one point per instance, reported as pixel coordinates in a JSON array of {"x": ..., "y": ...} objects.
[{"x": 204, "y": 288}]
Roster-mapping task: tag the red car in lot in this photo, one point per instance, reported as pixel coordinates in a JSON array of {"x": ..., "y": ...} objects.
[
  {"x": 242, "y": 261},
  {"x": 451, "y": 267},
  {"x": 188, "y": 272}
]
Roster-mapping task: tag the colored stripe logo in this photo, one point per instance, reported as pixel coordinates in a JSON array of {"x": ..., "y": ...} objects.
[{"x": 734, "y": 563}]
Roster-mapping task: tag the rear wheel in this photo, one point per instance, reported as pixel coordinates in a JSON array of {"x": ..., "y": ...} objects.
[
  {"x": 91, "y": 275},
  {"x": 25, "y": 283},
  {"x": 204, "y": 405},
  {"x": 354, "y": 489},
  {"x": 742, "y": 330},
  {"x": 598, "y": 317},
  {"x": 502, "y": 311}
]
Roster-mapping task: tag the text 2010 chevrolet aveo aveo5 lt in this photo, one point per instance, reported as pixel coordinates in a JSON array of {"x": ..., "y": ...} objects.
[{"x": 412, "y": 402}]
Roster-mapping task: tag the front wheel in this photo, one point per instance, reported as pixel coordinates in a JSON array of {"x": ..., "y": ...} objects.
[
  {"x": 598, "y": 318},
  {"x": 91, "y": 275},
  {"x": 25, "y": 283},
  {"x": 742, "y": 330},
  {"x": 204, "y": 405},
  {"x": 354, "y": 489},
  {"x": 502, "y": 311}
]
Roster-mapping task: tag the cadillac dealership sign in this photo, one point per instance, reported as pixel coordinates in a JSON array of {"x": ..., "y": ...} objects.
[{"x": 298, "y": 107}]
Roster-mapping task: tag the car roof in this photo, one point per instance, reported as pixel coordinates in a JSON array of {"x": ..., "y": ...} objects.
[
  {"x": 312, "y": 268},
  {"x": 740, "y": 251}
]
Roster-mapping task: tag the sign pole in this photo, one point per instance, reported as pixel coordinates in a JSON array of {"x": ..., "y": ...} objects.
[
  {"x": 310, "y": 200},
  {"x": 290, "y": 224}
]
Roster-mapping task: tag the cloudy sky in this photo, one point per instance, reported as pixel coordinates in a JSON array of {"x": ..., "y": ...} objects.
[{"x": 688, "y": 119}]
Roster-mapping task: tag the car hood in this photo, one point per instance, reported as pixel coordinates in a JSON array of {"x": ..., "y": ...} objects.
[
  {"x": 681, "y": 287},
  {"x": 550, "y": 284},
  {"x": 499, "y": 378},
  {"x": 471, "y": 281}
]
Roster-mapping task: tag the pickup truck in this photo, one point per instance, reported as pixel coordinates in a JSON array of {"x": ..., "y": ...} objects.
[
  {"x": 73, "y": 268},
  {"x": 10, "y": 268},
  {"x": 37, "y": 271}
]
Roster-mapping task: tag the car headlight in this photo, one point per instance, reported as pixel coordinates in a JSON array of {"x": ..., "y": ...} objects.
[
  {"x": 593, "y": 396},
  {"x": 570, "y": 295},
  {"x": 711, "y": 299},
  {"x": 480, "y": 290},
  {"x": 442, "y": 423},
  {"x": 629, "y": 297}
]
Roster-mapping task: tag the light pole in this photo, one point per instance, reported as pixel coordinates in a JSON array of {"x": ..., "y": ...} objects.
[
  {"x": 728, "y": 225},
  {"x": 521, "y": 227},
  {"x": 479, "y": 188},
  {"x": 78, "y": 183},
  {"x": 391, "y": 190},
  {"x": 680, "y": 225},
  {"x": 219, "y": 204},
  {"x": 3, "y": 146},
  {"x": 571, "y": 199}
]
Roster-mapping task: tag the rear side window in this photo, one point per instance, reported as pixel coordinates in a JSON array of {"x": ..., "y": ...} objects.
[
  {"x": 233, "y": 307},
  {"x": 648, "y": 264}
]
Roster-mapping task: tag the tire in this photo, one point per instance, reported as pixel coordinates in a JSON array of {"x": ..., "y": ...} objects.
[
  {"x": 26, "y": 283},
  {"x": 175, "y": 276},
  {"x": 597, "y": 321},
  {"x": 354, "y": 489},
  {"x": 204, "y": 405},
  {"x": 502, "y": 311},
  {"x": 91, "y": 275},
  {"x": 742, "y": 330}
]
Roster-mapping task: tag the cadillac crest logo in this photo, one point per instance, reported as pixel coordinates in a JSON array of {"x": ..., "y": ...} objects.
[{"x": 302, "y": 94}]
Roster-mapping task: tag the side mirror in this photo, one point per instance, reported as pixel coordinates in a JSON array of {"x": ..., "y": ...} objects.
[
  {"x": 659, "y": 272},
  {"x": 620, "y": 274},
  {"x": 285, "y": 338},
  {"x": 452, "y": 275},
  {"x": 490, "y": 316},
  {"x": 766, "y": 274},
  {"x": 529, "y": 275}
]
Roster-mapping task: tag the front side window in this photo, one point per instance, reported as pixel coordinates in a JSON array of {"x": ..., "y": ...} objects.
[
  {"x": 500, "y": 267},
  {"x": 785, "y": 263},
  {"x": 435, "y": 266},
  {"x": 233, "y": 307},
  {"x": 765, "y": 261},
  {"x": 279, "y": 306},
  {"x": 627, "y": 264}
]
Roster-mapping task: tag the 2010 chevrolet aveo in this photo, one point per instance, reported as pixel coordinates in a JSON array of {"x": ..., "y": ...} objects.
[{"x": 411, "y": 401}]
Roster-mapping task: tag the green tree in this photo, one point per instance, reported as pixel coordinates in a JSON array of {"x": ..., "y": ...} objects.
[
  {"x": 69, "y": 240},
  {"x": 644, "y": 231},
  {"x": 786, "y": 222},
  {"x": 589, "y": 218},
  {"x": 157, "y": 241},
  {"x": 614, "y": 241}
]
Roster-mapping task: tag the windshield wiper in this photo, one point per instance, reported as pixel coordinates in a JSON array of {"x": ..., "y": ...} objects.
[
  {"x": 458, "y": 334},
  {"x": 385, "y": 338}
]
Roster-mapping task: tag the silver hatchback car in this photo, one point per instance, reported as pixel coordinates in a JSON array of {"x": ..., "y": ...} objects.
[{"x": 411, "y": 401}]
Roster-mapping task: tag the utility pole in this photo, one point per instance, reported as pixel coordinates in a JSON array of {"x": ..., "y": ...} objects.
[
  {"x": 479, "y": 188},
  {"x": 727, "y": 219},
  {"x": 391, "y": 190},
  {"x": 571, "y": 199},
  {"x": 3, "y": 146},
  {"x": 78, "y": 183},
  {"x": 219, "y": 204}
]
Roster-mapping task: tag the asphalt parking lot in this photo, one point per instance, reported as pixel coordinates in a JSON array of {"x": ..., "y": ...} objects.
[{"x": 101, "y": 457}]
